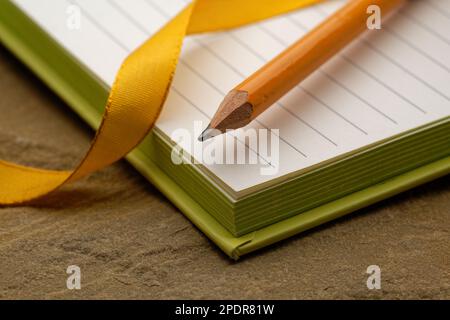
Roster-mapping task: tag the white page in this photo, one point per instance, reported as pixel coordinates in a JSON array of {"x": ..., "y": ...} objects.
[{"x": 385, "y": 83}]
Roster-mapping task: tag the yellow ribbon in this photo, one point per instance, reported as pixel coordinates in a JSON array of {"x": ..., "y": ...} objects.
[{"x": 139, "y": 92}]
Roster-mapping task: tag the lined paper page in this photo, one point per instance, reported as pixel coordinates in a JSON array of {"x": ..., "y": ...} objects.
[{"x": 387, "y": 82}]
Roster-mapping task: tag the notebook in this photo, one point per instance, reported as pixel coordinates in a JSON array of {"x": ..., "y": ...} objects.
[{"x": 370, "y": 123}]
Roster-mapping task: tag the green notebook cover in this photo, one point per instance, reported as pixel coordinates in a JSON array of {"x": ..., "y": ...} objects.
[{"x": 80, "y": 89}]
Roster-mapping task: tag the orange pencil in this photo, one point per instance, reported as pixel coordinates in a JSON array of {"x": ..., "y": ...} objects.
[{"x": 266, "y": 86}]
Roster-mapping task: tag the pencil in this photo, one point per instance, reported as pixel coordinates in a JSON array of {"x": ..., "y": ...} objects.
[{"x": 267, "y": 85}]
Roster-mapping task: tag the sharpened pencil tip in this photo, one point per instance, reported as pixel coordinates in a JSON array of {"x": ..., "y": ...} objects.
[{"x": 208, "y": 133}]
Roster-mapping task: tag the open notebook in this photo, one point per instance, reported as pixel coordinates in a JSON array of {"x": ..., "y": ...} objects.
[{"x": 370, "y": 123}]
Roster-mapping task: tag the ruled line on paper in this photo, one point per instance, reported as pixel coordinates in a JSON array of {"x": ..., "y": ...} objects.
[
  {"x": 99, "y": 26},
  {"x": 128, "y": 16},
  {"x": 424, "y": 26},
  {"x": 381, "y": 53},
  {"x": 438, "y": 9},
  {"x": 416, "y": 48},
  {"x": 387, "y": 57},
  {"x": 403, "y": 12},
  {"x": 363, "y": 70}
]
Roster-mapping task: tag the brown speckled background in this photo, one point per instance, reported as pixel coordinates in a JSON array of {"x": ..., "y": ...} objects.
[{"x": 130, "y": 242}]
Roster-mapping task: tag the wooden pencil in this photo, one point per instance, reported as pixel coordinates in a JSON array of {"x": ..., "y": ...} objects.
[{"x": 266, "y": 86}]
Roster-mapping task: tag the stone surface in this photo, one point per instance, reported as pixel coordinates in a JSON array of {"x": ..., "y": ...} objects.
[{"x": 130, "y": 242}]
